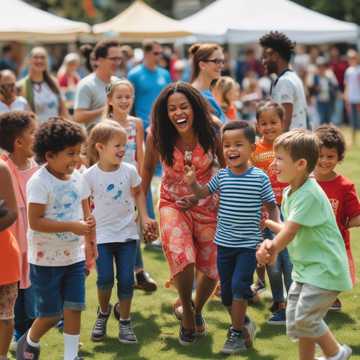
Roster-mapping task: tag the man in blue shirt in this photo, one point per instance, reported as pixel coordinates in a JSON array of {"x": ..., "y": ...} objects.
[{"x": 148, "y": 79}]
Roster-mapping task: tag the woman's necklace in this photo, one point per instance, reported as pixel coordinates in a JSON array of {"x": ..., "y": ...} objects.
[{"x": 37, "y": 85}]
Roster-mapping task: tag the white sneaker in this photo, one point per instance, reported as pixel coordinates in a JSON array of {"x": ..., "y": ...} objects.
[{"x": 343, "y": 354}]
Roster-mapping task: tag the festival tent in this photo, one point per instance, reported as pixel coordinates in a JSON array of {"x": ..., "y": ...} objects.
[
  {"x": 140, "y": 21},
  {"x": 20, "y": 21},
  {"x": 244, "y": 21}
]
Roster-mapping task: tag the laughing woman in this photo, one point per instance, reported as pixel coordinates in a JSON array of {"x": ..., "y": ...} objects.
[
  {"x": 207, "y": 63},
  {"x": 182, "y": 133},
  {"x": 40, "y": 89}
]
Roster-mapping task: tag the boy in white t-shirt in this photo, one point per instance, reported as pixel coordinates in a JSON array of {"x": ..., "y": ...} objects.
[{"x": 59, "y": 217}]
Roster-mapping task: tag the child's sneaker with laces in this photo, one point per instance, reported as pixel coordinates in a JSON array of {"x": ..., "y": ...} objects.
[
  {"x": 234, "y": 343},
  {"x": 99, "y": 330},
  {"x": 126, "y": 333},
  {"x": 278, "y": 318},
  {"x": 200, "y": 325},
  {"x": 336, "y": 306}
]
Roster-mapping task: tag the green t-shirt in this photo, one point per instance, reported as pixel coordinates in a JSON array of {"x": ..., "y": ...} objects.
[{"x": 318, "y": 250}]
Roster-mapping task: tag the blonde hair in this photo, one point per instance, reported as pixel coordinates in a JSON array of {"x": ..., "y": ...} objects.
[
  {"x": 110, "y": 91},
  {"x": 300, "y": 144},
  {"x": 102, "y": 133},
  {"x": 221, "y": 89}
]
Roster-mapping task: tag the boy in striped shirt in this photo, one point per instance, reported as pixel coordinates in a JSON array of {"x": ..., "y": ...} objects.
[{"x": 243, "y": 190}]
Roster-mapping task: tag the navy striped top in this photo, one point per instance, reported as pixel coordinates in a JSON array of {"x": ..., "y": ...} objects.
[{"x": 241, "y": 200}]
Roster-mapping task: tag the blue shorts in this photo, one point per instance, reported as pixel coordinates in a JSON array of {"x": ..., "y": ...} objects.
[
  {"x": 124, "y": 255},
  {"x": 57, "y": 288},
  {"x": 236, "y": 268}
]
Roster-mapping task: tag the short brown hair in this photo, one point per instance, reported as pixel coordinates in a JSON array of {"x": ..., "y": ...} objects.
[
  {"x": 332, "y": 138},
  {"x": 301, "y": 144},
  {"x": 270, "y": 105},
  {"x": 148, "y": 45}
]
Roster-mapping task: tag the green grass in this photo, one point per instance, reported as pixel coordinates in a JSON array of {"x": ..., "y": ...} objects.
[{"x": 157, "y": 328}]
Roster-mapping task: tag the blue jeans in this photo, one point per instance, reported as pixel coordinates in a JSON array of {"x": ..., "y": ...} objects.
[
  {"x": 355, "y": 116},
  {"x": 280, "y": 275},
  {"x": 124, "y": 255},
  {"x": 324, "y": 109},
  {"x": 58, "y": 287},
  {"x": 24, "y": 311},
  {"x": 236, "y": 268}
]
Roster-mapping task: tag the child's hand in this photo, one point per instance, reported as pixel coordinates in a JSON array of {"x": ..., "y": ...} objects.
[
  {"x": 150, "y": 230},
  {"x": 91, "y": 222},
  {"x": 266, "y": 253},
  {"x": 189, "y": 174},
  {"x": 187, "y": 202},
  {"x": 81, "y": 227}
]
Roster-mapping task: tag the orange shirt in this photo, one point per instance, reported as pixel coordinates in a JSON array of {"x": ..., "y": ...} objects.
[
  {"x": 9, "y": 258},
  {"x": 262, "y": 158}
]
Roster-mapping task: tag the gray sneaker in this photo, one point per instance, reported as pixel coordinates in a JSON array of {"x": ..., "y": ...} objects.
[
  {"x": 234, "y": 344},
  {"x": 99, "y": 330},
  {"x": 126, "y": 333}
]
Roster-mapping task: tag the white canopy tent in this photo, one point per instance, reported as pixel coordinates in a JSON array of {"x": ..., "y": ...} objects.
[
  {"x": 20, "y": 21},
  {"x": 244, "y": 21},
  {"x": 139, "y": 21}
]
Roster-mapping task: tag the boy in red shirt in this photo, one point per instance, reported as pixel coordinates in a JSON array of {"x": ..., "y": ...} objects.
[
  {"x": 340, "y": 190},
  {"x": 270, "y": 125}
]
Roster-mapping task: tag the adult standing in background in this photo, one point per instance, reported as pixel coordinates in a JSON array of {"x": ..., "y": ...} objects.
[
  {"x": 148, "y": 79},
  {"x": 9, "y": 101},
  {"x": 40, "y": 89},
  {"x": 352, "y": 91},
  {"x": 207, "y": 63},
  {"x": 287, "y": 89},
  {"x": 90, "y": 97}
]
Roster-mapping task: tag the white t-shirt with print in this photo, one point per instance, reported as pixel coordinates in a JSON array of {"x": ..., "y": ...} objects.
[
  {"x": 114, "y": 204},
  {"x": 63, "y": 200},
  {"x": 289, "y": 89}
]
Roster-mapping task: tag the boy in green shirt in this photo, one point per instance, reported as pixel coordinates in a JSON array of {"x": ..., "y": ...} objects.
[{"x": 317, "y": 251}]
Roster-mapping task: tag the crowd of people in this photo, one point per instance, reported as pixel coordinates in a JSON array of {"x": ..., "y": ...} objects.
[{"x": 241, "y": 170}]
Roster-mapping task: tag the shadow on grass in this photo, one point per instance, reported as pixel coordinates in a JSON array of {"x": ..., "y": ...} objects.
[
  {"x": 338, "y": 319},
  {"x": 267, "y": 331},
  {"x": 355, "y": 349},
  {"x": 146, "y": 330}
]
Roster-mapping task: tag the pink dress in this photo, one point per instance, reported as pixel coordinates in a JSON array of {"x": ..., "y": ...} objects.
[
  {"x": 188, "y": 236},
  {"x": 19, "y": 228}
]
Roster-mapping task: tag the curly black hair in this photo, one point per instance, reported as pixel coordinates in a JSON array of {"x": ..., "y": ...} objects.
[
  {"x": 12, "y": 125},
  {"x": 56, "y": 135},
  {"x": 331, "y": 137},
  {"x": 165, "y": 133},
  {"x": 279, "y": 42}
]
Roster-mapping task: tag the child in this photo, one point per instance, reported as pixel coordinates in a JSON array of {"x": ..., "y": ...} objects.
[
  {"x": 114, "y": 186},
  {"x": 315, "y": 245},
  {"x": 226, "y": 92},
  {"x": 270, "y": 121},
  {"x": 17, "y": 131},
  {"x": 243, "y": 190},
  {"x": 340, "y": 191},
  {"x": 9, "y": 260},
  {"x": 120, "y": 100},
  {"x": 57, "y": 198}
]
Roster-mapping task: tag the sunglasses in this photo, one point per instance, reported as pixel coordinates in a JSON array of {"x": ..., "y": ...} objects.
[
  {"x": 156, "y": 53},
  {"x": 215, "y": 61},
  {"x": 8, "y": 86}
]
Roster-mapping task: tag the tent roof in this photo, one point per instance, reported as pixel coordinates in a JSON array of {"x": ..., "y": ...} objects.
[
  {"x": 242, "y": 21},
  {"x": 23, "y": 22},
  {"x": 140, "y": 21}
]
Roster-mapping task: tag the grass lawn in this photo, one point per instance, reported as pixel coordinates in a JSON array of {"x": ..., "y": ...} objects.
[{"x": 157, "y": 329}]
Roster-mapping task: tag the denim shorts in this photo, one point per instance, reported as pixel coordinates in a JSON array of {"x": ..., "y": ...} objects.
[
  {"x": 124, "y": 255},
  {"x": 57, "y": 288},
  {"x": 236, "y": 268}
]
